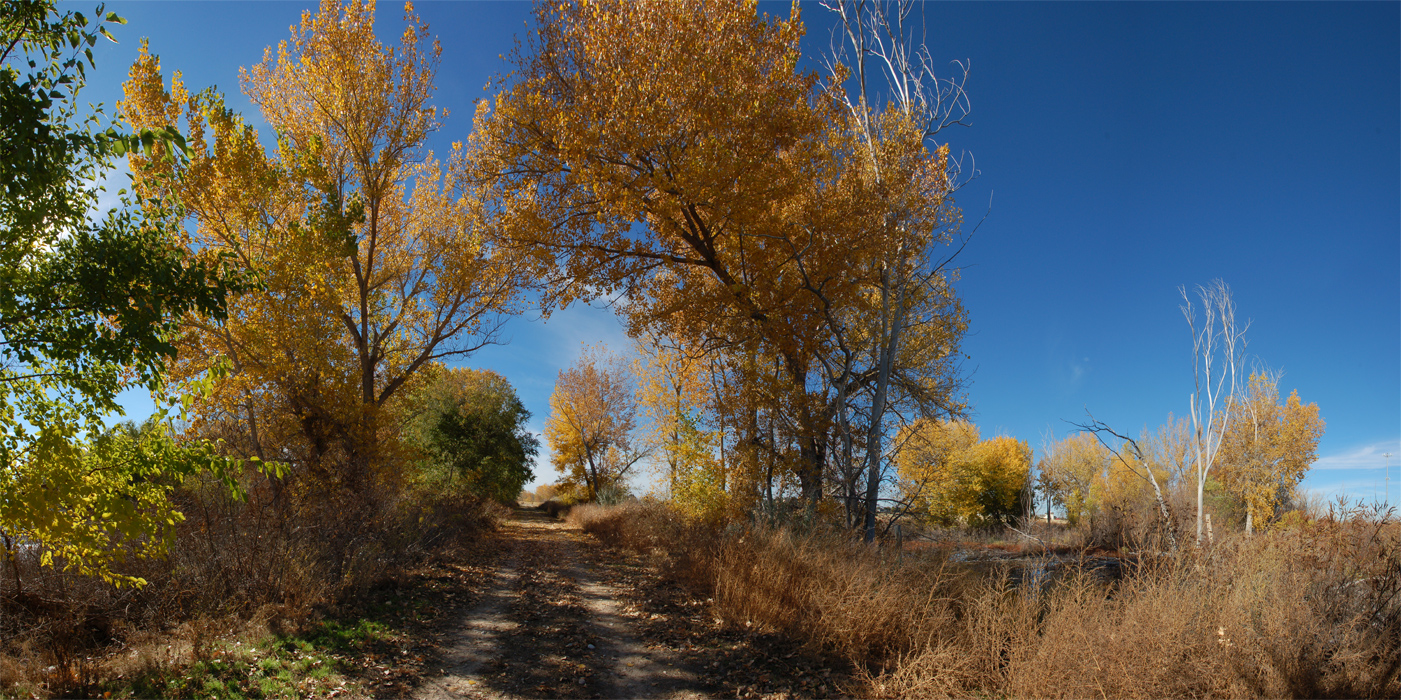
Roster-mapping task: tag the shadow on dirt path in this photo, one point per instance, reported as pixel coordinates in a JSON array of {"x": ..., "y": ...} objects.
[{"x": 549, "y": 626}]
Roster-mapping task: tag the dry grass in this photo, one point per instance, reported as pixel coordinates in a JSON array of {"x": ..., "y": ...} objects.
[
  {"x": 1313, "y": 611},
  {"x": 269, "y": 563}
]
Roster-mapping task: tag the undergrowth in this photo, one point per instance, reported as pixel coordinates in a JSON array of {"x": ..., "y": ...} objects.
[
  {"x": 298, "y": 666},
  {"x": 256, "y": 599},
  {"x": 1309, "y": 611}
]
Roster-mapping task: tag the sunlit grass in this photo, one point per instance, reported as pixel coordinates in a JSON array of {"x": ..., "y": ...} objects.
[{"x": 312, "y": 664}]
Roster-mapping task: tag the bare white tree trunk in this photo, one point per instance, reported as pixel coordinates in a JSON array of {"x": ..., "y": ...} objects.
[
  {"x": 875, "y": 30},
  {"x": 1218, "y": 350}
]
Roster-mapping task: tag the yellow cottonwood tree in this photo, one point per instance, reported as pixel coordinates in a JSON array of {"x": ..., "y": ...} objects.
[
  {"x": 673, "y": 151},
  {"x": 904, "y": 181},
  {"x": 1073, "y": 466},
  {"x": 701, "y": 486},
  {"x": 671, "y": 393},
  {"x": 929, "y": 464},
  {"x": 374, "y": 260},
  {"x": 1121, "y": 484},
  {"x": 663, "y": 149},
  {"x": 593, "y": 411},
  {"x": 1269, "y": 446},
  {"x": 681, "y": 396},
  {"x": 992, "y": 481}
]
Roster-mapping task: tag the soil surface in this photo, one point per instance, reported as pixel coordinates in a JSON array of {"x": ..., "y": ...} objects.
[{"x": 555, "y": 615}]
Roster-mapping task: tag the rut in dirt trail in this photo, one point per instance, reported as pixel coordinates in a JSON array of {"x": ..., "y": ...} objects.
[{"x": 550, "y": 626}]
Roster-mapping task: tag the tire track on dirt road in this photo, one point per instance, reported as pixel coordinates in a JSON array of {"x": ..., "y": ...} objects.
[
  {"x": 638, "y": 670},
  {"x": 549, "y": 626},
  {"x": 476, "y": 640}
]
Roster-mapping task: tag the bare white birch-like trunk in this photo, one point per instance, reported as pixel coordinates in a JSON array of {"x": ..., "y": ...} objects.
[
  {"x": 875, "y": 30},
  {"x": 1218, "y": 350}
]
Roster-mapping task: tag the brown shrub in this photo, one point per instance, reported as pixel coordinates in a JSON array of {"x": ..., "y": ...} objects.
[
  {"x": 269, "y": 558},
  {"x": 1314, "y": 611},
  {"x": 555, "y": 508}
]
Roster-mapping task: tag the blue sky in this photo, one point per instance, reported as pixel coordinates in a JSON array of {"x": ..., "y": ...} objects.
[{"x": 1126, "y": 149}]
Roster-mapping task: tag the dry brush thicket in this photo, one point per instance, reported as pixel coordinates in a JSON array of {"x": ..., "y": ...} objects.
[
  {"x": 363, "y": 269},
  {"x": 269, "y": 563},
  {"x": 1310, "y": 611}
]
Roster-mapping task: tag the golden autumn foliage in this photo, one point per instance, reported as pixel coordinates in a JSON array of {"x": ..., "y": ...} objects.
[
  {"x": 929, "y": 449},
  {"x": 1082, "y": 475},
  {"x": 1121, "y": 484},
  {"x": 373, "y": 259},
  {"x": 593, "y": 411},
  {"x": 1072, "y": 467},
  {"x": 953, "y": 477},
  {"x": 1269, "y": 446},
  {"x": 681, "y": 116},
  {"x": 702, "y": 487},
  {"x": 673, "y": 152},
  {"x": 661, "y": 149},
  {"x": 671, "y": 390},
  {"x": 677, "y": 393}
]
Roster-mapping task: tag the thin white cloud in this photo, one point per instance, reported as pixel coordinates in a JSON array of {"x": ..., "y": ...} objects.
[
  {"x": 567, "y": 332},
  {"x": 1365, "y": 457},
  {"x": 1360, "y": 491},
  {"x": 1077, "y": 372}
]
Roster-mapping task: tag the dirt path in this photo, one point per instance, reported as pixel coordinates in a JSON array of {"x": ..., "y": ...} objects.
[{"x": 550, "y": 624}]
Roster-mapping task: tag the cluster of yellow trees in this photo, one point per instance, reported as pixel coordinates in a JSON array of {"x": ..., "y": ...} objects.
[
  {"x": 778, "y": 241},
  {"x": 370, "y": 263},
  {"x": 1267, "y": 448},
  {"x": 950, "y": 477}
]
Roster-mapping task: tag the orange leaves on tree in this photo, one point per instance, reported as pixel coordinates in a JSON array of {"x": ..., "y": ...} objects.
[
  {"x": 672, "y": 151},
  {"x": 593, "y": 411},
  {"x": 1268, "y": 447},
  {"x": 374, "y": 259}
]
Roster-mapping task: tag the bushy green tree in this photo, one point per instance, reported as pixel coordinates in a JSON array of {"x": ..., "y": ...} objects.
[
  {"x": 88, "y": 305},
  {"x": 467, "y": 430}
]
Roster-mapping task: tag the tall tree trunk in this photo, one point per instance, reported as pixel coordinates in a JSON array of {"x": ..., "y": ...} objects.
[
  {"x": 893, "y": 324},
  {"x": 812, "y": 452},
  {"x": 14, "y": 565},
  {"x": 873, "y": 453},
  {"x": 1201, "y": 491}
]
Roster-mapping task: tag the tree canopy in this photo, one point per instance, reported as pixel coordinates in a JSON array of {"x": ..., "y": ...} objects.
[
  {"x": 593, "y": 412},
  {"x": 470, "y": 430},
  {"x": 374, "y": 259},
  {"x": 1269, "y": 446},
  {"x": 674, "y": 153},
  {"x": 89, "y": 302},
  {"x": 954, "y": 477}
]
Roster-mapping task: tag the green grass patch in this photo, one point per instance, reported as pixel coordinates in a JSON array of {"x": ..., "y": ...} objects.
[{"x": 312, "y": 664}]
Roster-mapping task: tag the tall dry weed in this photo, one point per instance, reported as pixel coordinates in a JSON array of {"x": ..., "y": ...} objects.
[
  {"x": 1314, "y": 611},
  {"x": 268, "y": 558}
]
